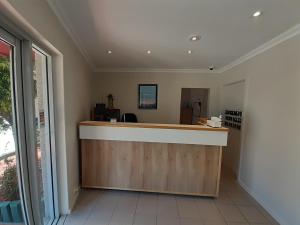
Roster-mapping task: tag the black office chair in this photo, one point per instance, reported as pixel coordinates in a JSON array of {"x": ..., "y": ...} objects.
[{"x": 129, "y": 117}]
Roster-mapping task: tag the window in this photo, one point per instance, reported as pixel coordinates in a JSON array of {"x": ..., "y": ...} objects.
[
  {"x": 43, "y": 138},
  {"x": 10, "y": 187}
]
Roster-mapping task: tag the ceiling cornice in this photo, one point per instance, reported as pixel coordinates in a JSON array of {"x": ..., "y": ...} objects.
[
  {"x": 292, "y": 32},
  {"x": 154, "y": 70},
  {"x": 58, "y": 11}
]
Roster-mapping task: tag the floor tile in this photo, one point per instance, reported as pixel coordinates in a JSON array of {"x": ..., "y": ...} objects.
[
  {"x": 231, "y": 213},
  {"x": 167, "y": 210},
  {"x": 190, "y": 221},
  {"x": 122, "y": 218},
  {"x": 167, "y": 200},
  {"x": 209, "y": 212},
  {"x": 241, "y": 198},
  {"x": 168, "y": 220},
  {"x": 71, "y": 220},
  {"x": 220, "y": 222},
  {"x": 99, "y": 215},
  {"x": 98, "y": 219},
  {"x": 260, "y": 224},
  {"x": 141, "y": 219},
  {"x": 252, "y": 214},
  {"x": 270, "y": 219},
  {"x": 224, "y": 198},
  {"x": 187, "y": 207},
  {"x": 233, "y": 207},
  {"x": 147, "y": 208},
  {"x": 234, "y": 223},
  {"x": 128, "y": 205},
  {"x": 188, "y": 212}
]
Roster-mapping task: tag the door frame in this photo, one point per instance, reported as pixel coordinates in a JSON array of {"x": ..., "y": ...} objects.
[
  {"x": 19, "y": 125},
  {"x": 23, "y": 112}
]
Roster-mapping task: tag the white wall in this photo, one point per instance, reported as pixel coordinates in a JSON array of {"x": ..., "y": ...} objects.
[
  {"x": 271, "y": 147},
  {"x": 124, "y": 86},
  {"x": 72, "y": 91}
]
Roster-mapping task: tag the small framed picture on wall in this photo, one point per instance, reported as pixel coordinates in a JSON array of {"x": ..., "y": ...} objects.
[{"x": 147, "y": 96}]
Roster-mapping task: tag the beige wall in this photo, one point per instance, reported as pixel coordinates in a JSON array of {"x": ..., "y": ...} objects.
[
  {"x": 271, "y": 146},
  {"x": 124, "y": 86},
  {"x": 72, "y": 91},
  {"x": 232, "y": 97}
]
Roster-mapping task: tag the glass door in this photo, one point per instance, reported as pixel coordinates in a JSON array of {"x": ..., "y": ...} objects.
[
  {"x": 43, "y": 139},
  {"x": 28, "y": 193},
  {"x": 11, "y": 206}
]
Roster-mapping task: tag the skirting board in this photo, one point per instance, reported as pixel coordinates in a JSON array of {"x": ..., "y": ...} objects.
[
  {"x": 154, "y": 191},
  {"x": 266, "y": 206}
]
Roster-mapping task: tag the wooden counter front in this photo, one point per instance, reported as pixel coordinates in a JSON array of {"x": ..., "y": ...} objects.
[
  {"x": 151, "y": 167},
  {"x": 162, "y": 158}
]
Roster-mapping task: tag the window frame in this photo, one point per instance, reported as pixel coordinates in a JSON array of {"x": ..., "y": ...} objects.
[{"x": 19, "y": 125}]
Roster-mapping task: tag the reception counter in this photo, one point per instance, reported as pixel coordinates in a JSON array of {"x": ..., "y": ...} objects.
[{"x": 162, "y": 158}]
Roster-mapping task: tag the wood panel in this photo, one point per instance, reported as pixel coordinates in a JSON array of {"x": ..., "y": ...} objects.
[{"x": 154, "y": 167}]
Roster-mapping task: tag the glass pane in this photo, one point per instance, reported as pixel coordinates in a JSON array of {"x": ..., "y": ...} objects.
[
  {"x": 10, "y": 204},
  {"x": 43, "y": 155}
]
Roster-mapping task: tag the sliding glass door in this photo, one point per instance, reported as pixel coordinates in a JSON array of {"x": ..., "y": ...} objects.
[
  {"x": 27, "y": 160},
  {"x": 43, "y": 138},
  {"x": 10, "y": 184}
]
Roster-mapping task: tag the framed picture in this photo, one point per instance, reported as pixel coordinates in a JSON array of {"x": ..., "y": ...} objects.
[{"x": 147, "y": 96}]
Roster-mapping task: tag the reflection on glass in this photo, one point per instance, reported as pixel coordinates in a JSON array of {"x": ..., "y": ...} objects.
[
  {"x": 43, "y": 155},
  {"x": 10, "y": 204}
]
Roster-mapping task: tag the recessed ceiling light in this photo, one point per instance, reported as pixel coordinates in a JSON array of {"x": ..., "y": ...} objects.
[
  {"x": 190, "y": 52},
  {"x": 195, "y": 38},
  {"x": 257, "y": 14},
  {"x": 109, "y": 51},
  {"x": 211, "y": 68},
  {"x": 148, "y": 52}
]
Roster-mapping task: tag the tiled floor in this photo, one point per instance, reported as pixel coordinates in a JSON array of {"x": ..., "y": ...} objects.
[{"x": 233, "y": 207}]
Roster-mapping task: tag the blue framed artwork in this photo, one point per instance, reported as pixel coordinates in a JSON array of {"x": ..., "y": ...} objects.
[{"x": 147, "y": 96}]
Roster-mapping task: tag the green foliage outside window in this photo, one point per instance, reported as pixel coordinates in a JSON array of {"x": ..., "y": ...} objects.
[
  {"x": 5, "y": 95},
  {"x": 9, "y": 190}
]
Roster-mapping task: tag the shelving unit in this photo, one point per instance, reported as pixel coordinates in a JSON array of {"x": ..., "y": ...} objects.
[{"x": 233, "y": 119}]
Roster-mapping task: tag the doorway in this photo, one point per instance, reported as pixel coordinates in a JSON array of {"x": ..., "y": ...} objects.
[
  {"x": 233, "y": 95},
  {"x": 193, "y": 105}
]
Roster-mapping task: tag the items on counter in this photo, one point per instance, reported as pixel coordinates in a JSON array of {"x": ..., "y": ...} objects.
[{"x": 215, "y": 121}]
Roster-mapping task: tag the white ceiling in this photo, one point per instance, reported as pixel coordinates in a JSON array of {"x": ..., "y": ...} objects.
[{"x": 131, "y": 27}]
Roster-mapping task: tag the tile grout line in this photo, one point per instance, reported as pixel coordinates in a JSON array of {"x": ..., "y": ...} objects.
[
  {"x": 177, "y": 208},
  {"x": 136, "y": 206},
  {"x": 220, "y": 212},
  {"x": 237, "y": 206},
  {"x": 156, "y": 210},
  {"x": 253, "y": 204},
  {"x": 116, "y": 205},
  {"x": 89, "y": 213},
  {"x": 250, "y": 205}
]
